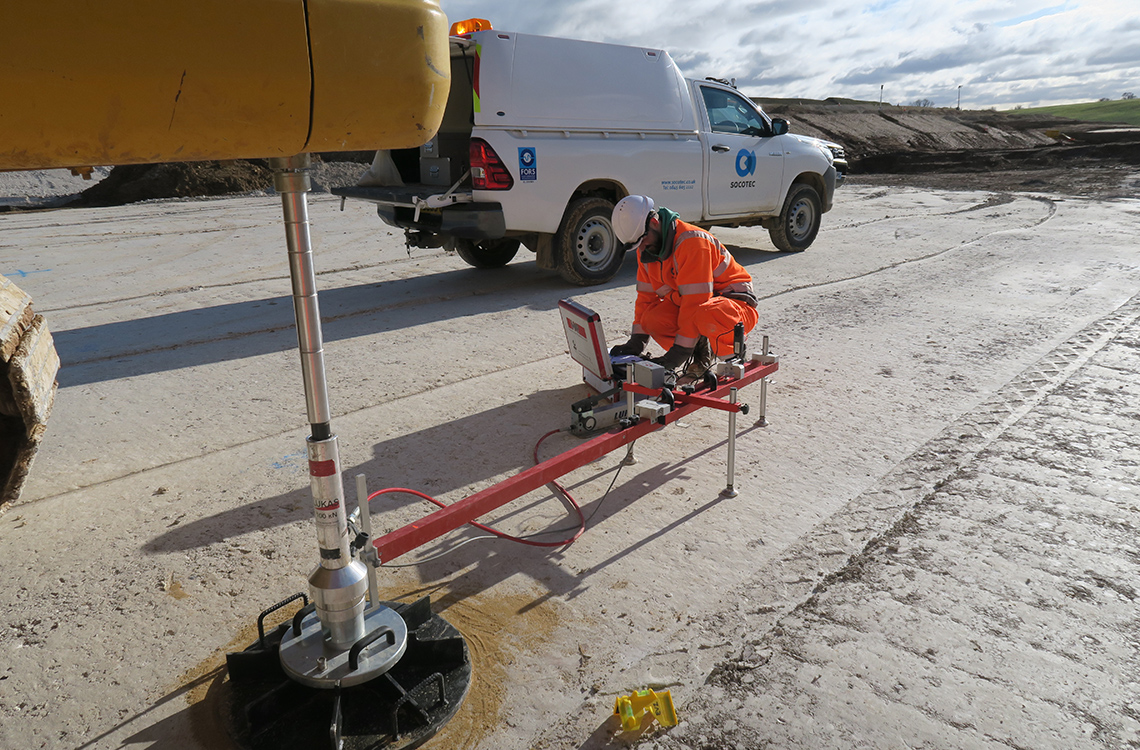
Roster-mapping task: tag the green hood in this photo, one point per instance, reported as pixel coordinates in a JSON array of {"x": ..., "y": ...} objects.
[{"x": 668, "y": 221}]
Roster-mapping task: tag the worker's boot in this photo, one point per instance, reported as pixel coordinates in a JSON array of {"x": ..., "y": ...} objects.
[{"x": 703, "y": 359}]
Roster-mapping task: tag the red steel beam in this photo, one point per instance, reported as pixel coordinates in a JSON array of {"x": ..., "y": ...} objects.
[
  {"x": 432, "y": 526},
  {"x": 702, "y": 400}
]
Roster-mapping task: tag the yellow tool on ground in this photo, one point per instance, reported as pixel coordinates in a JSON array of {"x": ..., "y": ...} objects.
[{"x": 633, "y": 707}]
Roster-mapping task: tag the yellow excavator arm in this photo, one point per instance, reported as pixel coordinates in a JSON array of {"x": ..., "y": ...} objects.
[
  {"x": 108, "y": 82},
  {"x": 143, "y": 81}
]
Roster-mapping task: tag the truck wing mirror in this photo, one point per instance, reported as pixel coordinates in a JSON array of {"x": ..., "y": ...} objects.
[{"x": 779, "y": 126}]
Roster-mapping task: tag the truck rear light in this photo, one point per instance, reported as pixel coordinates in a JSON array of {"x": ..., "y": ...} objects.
[{"x": 487, "y": 170}]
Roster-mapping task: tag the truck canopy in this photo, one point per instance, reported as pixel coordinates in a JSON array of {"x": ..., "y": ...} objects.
[{"x": 526, "y": 81}]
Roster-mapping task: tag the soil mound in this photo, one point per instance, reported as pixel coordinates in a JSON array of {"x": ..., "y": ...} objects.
[
  {"x": 931, "y": 147},
  {"x": 866, "y": 129},
  {"x": 949, "y": 148},
  {"x": 137, "y": 182}
]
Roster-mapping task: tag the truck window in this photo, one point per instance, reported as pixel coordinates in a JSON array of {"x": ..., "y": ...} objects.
[{"x": 730, "y": 113}]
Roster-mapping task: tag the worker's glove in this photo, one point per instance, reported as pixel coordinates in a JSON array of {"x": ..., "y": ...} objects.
[
  {"x": 635, "y": 346},
  {"x": 675, "y": 357}
]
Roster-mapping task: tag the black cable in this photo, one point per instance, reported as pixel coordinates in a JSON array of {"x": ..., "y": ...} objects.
[
  {"x": 596, "y": 508},
  {"x": 718, "y": 338},
  {"x": 579, "y": 529}
]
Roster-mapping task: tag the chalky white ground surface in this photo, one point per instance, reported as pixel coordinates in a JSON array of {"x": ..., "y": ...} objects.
[{"x": 170, "y": 503}]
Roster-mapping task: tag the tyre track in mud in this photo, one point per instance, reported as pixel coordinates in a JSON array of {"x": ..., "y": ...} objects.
[
  {"x": 222, "y": 448},
  {"x": 737, "y": 643},
  {"x": 504, "y": 285},
  {"x": 848, "y": 533},
  {"x": 245, "y": 282},
  {"x": 1052, "y": 206},
  {"x": 784, "y": 595}
]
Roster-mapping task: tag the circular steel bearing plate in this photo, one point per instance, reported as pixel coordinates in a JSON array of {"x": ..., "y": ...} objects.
[
  {"x": 309, "y": 660},
  {"x": 266, "y": 708}
]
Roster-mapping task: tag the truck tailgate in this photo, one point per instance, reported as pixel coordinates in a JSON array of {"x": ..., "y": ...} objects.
[{"x": 398, "y": 195}]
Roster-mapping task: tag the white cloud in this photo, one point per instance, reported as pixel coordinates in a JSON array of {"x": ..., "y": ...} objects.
[{"x": 1001, "y": 52}]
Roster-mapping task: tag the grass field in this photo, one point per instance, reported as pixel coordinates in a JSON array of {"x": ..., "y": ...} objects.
[{"x": 1121, "y": 110}]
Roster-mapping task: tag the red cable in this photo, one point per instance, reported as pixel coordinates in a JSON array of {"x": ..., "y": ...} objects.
[{"x": 496, "y": 532}]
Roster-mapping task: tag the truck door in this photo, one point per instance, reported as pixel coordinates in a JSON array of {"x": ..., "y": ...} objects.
[{"x": 746, "y": 161}]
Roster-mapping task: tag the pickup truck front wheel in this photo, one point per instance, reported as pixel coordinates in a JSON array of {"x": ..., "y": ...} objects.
[
  {"x": 799, "y": 220},
  {"x": 485, "y": 254},
  {"x": 588, "y": 250}
]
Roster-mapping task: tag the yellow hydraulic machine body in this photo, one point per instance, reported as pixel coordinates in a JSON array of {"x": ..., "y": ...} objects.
[{"x": 138, "y": 81}]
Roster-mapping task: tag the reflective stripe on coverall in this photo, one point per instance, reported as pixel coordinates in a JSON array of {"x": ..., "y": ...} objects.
[{"x": 679, "y": 298}]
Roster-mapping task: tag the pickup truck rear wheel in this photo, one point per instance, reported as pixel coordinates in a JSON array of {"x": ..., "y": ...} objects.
[
  {"x": 484, "y": 254},
  {"x": 588, "y": 250},
  {"x": 799, "y": 220}
]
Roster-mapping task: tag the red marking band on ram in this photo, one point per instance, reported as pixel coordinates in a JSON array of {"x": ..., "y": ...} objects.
[{"x": 322, "y": 468}]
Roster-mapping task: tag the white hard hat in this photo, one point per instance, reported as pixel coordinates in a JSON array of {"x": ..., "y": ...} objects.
[{"x": 630, "y": 218}]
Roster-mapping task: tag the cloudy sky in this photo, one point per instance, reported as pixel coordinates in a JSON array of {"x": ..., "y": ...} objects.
[{"x": 1002, "y": 53}]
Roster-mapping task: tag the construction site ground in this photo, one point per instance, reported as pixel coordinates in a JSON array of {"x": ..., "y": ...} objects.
[{"x": 934, "y": 544}]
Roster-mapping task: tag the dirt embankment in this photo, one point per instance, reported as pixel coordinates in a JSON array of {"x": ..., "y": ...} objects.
[
  {"x": 137, "y": 182},
  {"x": 925, "y": 147},
  {"x": 972, "y": 149}
]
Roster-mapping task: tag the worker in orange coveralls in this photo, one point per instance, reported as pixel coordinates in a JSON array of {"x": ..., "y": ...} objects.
[{"x": 691, "y": 293}]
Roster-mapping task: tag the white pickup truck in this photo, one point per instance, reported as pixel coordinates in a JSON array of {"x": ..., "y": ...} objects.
[{"x": 542, "y": 136}]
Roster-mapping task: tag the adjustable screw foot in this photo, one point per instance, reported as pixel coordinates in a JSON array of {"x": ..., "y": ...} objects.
[{"x": 629, "y": 459}]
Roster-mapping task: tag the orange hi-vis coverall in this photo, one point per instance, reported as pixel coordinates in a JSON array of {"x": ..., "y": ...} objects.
[{"x": 697, "y": 290}]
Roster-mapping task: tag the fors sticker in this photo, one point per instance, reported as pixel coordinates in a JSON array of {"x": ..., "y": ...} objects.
[{"x": 528, "y": 164}]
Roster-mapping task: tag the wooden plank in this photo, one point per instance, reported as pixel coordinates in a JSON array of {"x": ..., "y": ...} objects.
[{"x": 15, "y": 316}]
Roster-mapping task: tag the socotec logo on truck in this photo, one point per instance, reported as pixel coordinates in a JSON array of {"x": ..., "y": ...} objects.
[
  {"x": 528, "y": 164},
  {"x": 745, "y": 165},
  {"x": 745, "y": 162}
]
